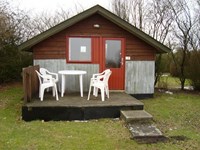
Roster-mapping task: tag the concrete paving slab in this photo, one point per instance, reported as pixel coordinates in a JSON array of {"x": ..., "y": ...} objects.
[
  {"x": 135, "y": 115},
  {"x": 139, "y": 130}
]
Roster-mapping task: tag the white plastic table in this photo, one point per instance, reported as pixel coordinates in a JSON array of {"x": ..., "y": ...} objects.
[{"x": 71, "y": 72}]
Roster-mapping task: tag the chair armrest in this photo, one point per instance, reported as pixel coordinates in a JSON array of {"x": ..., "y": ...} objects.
[
  {"x": 94, "y": 75},
  {"x": 49, "y": 77},
  {"x": 97, "y": 78},
  {"x": 55, "y": 74},
  {"x": 52, "y": 73},
  {"x": 97, "y": 74},
  {"x": 100, "y": 77}
]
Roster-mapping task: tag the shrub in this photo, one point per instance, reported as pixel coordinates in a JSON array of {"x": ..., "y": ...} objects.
[
  {"x": 163, "y": 83},
  {"x": 11, "y": 65},
  {"x": 173, "y": 70},
  {"x": 193, "y": 69}
]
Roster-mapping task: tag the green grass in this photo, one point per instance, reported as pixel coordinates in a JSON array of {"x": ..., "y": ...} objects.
[
  {"x": 170, "y": 82},
  {"x": 175, "y": 115}
]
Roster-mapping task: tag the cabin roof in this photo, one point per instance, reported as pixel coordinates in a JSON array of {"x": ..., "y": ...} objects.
[{"x": 160, "y": 48}]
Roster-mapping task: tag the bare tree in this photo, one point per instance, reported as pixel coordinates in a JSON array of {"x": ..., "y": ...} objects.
[
  {"x": 45, "y": 21},
  {"x": 182, "y": 31},
  {"x": 159, "y": 22},
  {"x": 13, "y": 23},
  {"x": 139, "y": 11},
  {"x": 195, "y": 33},
  {"x": 122, "y": 9},
  {"x": 152, "y": 16},
  {"x": 132, "y": 11}
]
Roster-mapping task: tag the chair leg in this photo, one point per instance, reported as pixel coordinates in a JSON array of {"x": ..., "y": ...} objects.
[
  {"x": 89, "y": 93},
  {"x": 107, "y": 91},
  {"x": 53, "y": 91},
  {"x": 56, "y": 92},
  {"x": 102, "y": 94},
  {"x": 94, "y": 89},
  {"x": 96, "y": 92},
  {"x": 39, "y": 92},
  {"x": 42, "y": 94}
]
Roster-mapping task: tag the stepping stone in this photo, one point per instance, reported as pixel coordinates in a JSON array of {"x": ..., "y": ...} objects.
[
  {"x": 144, "y": 130},
  {"x": 145, "y": 133},
  {"x": 135, "y": 115},
  {"x": 141, "y": 127}
]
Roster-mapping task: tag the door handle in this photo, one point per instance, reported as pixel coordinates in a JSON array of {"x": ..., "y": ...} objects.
[{"x": 122, "y": 61}]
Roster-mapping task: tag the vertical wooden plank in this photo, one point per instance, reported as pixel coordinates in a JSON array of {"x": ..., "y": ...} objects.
[
  {"x": 139, "y": 77},
  {"x": 72, "y": 84},
  {"x": 24, "y": 85},
  {"x": 95, "y": 50},
  {"x": 29, "y": 85},
  {"x": 34, "y": 80}
]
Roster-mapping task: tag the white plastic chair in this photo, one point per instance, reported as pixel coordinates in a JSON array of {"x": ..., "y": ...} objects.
[
  {"x": 44, "y": 71},
  {"x": 100, "y": 81},
  {"x": 46, "y": 81}
]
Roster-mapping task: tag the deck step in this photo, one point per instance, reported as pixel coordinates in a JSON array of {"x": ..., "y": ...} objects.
[
  {"x": 141, "y": 126},
  {"x": 135, "y": 115},
  {"x": 146, "y": 132}
]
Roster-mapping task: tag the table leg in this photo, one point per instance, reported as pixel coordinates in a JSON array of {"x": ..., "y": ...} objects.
[
  {"x": 81, "y": 84},
  {"x": 63, "y": 85}
]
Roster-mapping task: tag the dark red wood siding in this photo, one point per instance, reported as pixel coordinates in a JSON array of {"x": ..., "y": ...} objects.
[{"x": 55, "y": 47}]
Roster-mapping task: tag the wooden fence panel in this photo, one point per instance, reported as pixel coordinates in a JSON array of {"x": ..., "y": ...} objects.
[{"x": 30, "y": 83}]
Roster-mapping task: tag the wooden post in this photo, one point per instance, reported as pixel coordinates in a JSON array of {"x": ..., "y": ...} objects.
[{"x": 30, "y": 83}]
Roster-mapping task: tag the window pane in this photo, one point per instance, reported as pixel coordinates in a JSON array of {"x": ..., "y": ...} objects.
[
  {"x": 113, "y": 53},
  {"x": 80, "y": 49}
]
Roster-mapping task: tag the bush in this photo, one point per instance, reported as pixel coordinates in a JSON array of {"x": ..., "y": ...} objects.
[
  {"x": 193, "y": 69},
  {"x": 173, "y": 70},
  {"x": 11, "y": 66},
  {"x": 12, "y": 33},
  {"x": 163, "y": 83},
  {"x": 161, "y": 66}
]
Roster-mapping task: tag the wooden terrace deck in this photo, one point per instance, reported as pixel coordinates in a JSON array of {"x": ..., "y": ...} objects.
[{"x": 73, "y": 107}]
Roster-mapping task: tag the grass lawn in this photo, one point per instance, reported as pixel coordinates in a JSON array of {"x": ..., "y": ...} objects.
[
  {"x": 176, "y": 115},
  {"x": 170, "y": 82}
]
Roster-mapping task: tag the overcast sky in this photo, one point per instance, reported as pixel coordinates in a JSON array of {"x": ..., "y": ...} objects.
[{"x": 37, "y": 6}]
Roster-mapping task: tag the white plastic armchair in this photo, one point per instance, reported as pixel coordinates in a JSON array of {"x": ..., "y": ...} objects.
[
  {"x": 44, "y": 71},
  {"x": 100, "y": 81},
  {"x": 46, "y": 81}
]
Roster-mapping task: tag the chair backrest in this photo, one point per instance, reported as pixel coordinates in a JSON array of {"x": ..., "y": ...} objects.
[
  {"x": 44, "y": 78},
  {"x": 39, "y": 76},
  {"x": 107, "y": 74},
  {"x": 43, "y": 71}
]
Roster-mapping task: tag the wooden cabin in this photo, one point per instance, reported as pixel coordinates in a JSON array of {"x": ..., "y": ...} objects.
[{"x": 95, "y": 40}]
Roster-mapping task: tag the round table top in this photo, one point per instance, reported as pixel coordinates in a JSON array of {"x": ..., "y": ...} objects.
[{"x": 72, "y": 72}]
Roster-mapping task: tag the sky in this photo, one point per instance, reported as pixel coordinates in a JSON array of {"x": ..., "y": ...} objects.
[{"x": 37, "y": 6}]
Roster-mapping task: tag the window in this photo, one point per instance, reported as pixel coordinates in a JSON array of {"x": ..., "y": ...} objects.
[
  {"x": 113, "y": 53},
  {"x": 79, "y": 49}
]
